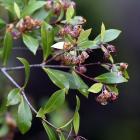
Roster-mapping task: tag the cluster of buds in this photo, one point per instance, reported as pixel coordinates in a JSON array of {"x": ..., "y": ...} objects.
[
  {"x": 81, "y": 69},
  {"x": 108, "y": 50},
  {"x": 27, "y": 24},
  {"x": 56, "y": 6},
  {"x": 123, "y": 66},
  {"x": 69, "y": 59},
  {"x": 73, "y": 31},
  {"x": 106, "y": 96},
  {"x": 67, "y": 46}
]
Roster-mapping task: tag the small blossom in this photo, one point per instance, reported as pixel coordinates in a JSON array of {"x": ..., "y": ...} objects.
[
  {"x": 81, "y": 69},
  {"x": 123, "y": 66}
]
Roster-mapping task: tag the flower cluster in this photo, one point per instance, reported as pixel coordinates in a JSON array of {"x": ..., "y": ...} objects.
[
  {"x": 106, "y": 96},
  {"x": 108, "y": 50},
  {"x": 72, "y": 58},
  {"x": 24, "y": 25},
  {"x": 73, "y": 31},
  {"x": 56, "y": 6}
]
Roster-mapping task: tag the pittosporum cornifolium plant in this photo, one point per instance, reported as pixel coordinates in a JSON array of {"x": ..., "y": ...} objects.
[{"x": 53, "y": 27}]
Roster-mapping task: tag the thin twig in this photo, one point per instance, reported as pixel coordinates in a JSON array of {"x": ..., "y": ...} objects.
[
  {"x": 69, "y": 135},
  {"x": 92, "y": 64},
  {"x": 87, "y": 77},
  {"x": 24, "y": 95},
  {"x": 36, "y": 66},
  {"x": 23, "y": 49}
]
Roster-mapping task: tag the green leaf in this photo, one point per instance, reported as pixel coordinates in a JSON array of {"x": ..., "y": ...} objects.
[
  {"x": 77, "y": 20},
  {"x": 41, "y": 14},
  {"x": 109, "y": 36},
  {"x": 61, "y": 136},
  {"x": 111, "y": 78},
  {"x": 96, "y": 88},
  {"x": 8, "y": 44},
  {"x": 67, "y": 124},
  {"x": 47, "y": 35},
  {"x": 126, "y": 75},
  {"x": 77, "y": 104},
  {"x": 31, "y": 43},
  {"x": 88, "y": 44},
  {"x": 102, "y": 32},
  {"x": 24, "y": 117},
  {"x": 57, "y": 78},
  {"x": 2, "y": 23},
  {"x": 51, "y": 134},
  {"x": 17, "y": 9},
  {"x": 69, "y": 13},
  {"x": 84, "y": 36},
  {"x": 13, "y": 97},
  {"x": 27, "y": 69},
  {"x": 55, "y": 101},
  {"x": 75, "y": 82},
  {"x": 76, "y": 117},
  {"x": 76, "y": 122},
  {"x": 81, "y": 86},
  {"x": 40, "y": 113},
  {"x": 32, "y": 7}
]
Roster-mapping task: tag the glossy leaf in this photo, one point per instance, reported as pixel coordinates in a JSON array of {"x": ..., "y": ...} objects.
[
  {"x": 102, "y": 32},
  {"x": 77, "y": 104},
  {"x": 67, "y": 124},
  {"x": 57, "y": 78},
  {"x": 27, "y": 69},
  {"x": 56, "y": 100},
  {"x": 13, "y": 97},
  {"x": 111, "y": 78},
  {"x": 109, "y": 36},
  {"x": 32, "y": 7},
  {"x": 84, "y": 36},
  {"x": 88, "y": 45},
  {"x": 31, "y": 43},
  {"x": 81, "y": 86},
  {"x": 96, "y": 88},
  {"x": 47, "y": 35},
  {"x": 50, "y": 132},
  {"x": 69, "y": 13},
  {"x": 24, "y": 117},
  {"x": 40, "y": 113},
  {"x": 8, "y": 45},
  {"x": 76, "y": 122},
  {"x": 17, "y": 9}
]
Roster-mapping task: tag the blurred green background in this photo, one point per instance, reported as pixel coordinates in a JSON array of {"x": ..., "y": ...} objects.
[{"x": 117, "y": 121}]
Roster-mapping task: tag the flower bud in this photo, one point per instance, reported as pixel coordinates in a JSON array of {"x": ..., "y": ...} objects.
[
  {"x": 111, "y": 49},
  {"x": 81, "y": 69},
  {"x": 123, "y": 66}
]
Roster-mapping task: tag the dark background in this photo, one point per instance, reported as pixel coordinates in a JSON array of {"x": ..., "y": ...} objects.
[{"x": 117, "y": 121}]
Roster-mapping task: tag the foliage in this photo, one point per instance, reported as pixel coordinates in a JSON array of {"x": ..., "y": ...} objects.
[{"x": 53, "y": 27}]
